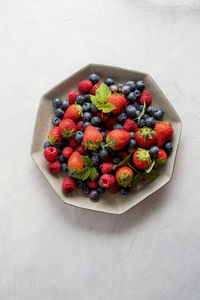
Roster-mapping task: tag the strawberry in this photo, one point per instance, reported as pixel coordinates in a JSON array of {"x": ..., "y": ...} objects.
[
  {"x": 85, "y": 86},
  {"x": 73, "y": 112},
  {"x": 75, "y": 162},
  {"x": 117, "y": 139},
  {"x": 55, "y": 136},
  {"x": 104, "y": 117},
  {"x": 124, "y": 176},
  {"x": 161, "y": 157},
  {"x": 72, "y": 96},
  {"x": 95, "y": 87},
  {"x": 118, "y": 101},
  {"x": 141, "y": 159},
  {"x": 146, "y": 97},
  {"x": 67, "y": 128},
  {"x": 92, "y": 138},
  {"x": 145, "y": 137},
  {"x": 164, "y": 132}
]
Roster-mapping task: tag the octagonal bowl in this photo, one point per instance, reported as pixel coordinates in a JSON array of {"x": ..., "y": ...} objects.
[{"x": 115, "y": 204}]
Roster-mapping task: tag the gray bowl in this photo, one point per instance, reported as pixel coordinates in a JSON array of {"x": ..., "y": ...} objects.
[{"x": 115, "y": 204}]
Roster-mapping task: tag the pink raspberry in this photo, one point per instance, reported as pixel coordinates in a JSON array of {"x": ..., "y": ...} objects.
[
  {"x": 106, "y": 167},
  {"x": 73, "y": 143},
  {"x": 114, "y": 188},
  {"x": 67, "y": 152},
  {"x": 54, "y": 167},
  {"x": 92, "y": 184},
  {"x": 80, "y": 125},
  {"x": 72, "y": 96},
  {"x": 107, "y": 180},
  {"x": 50, "y": 153},
  {"x": 130, "y": 125},
  {"x": 68, "y": 185}
]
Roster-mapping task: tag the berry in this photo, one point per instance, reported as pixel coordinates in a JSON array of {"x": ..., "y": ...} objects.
[
  {"x": 73, "y": 143},
  {"x": 80, "y": 125},
  {"x": 59, "y": 112},
  {"x": 67, "y": 128},
  {"x": 80, "y": 99},
  {"x": 161, "y": 157},
  {"x": 130, "y": 125},
  {"x": 118, "y": 101},
  {"x": 86, "y": 106},
  {"x": 168, "y": 147},
  {"x": 117, "y": 126},
  {"x": 141, "y": 123},
  {"x": 59, "y": 150},
  {"x": 57, "y": 102},
  {"x": 153, "y": 151},
  {"x": 87, "y": 116},
  {"x": 145, "y": 117},
  {"x": 145, "y": 97},
  {"x": 96, "y": 121},
  {"x": 94, "y": 78},
  {"x": 150, "y": 122},
  {"x": 55, "y": 136},
  {"x": 140, "y": 107},
  {"x": 137, "y": 113},
  {"x": 122, "y": 117},
  {"x": 93, "y": 108},
  {"x": 158, "y": 114},
  {"x": 72, "y": 96},
  {"x": 117, "y": 139},
  {"x": 104, "y": 117},
  {"x": 140, "y": 85},
  {"x": 141, "y": 159},
  {"x": 126, "y": 89},
  {"x": 119, "y": 87},
  {"x": 86, "y": 124},
  {"x": 61, "y": 158},
  {"x": 67, "y": 152},
  {"x": 164, "y": 132},
  {"x": 87, "y": 98},
  {"x": 136, "y": 95},
  {"x": 85, "y": 190},
  {"x": 101, "y": 190},
  {"x": 50, "y": 153},
  {"x": 94, "y": 195},
  {"x": 132, "y": 135},
  {"x": 92, "y": 184},
  {"x": 64, "y": 167},
  {"x": 103, "y": 153},
  {"x": 75, "y": 162},
  {"x": 114, "y": 188},
  {"x": 54, "y": 167},
  {"x": 103, "y": 134},
  {"x": 65, "y": 104},
  {"x": 132, "y": 143},
  {"x": 116, "y": 160},
  {"x": 145, "y": 137},
  {"x": 111, "y": 122},
  {"x": 85, "y": 86},
  {"x": 95, "y": 159},
  {"x": 56, "y": 121},
  {"x": 113, "y": 88},
  {"x": 124, "y": 191},
  {"x": 68, "y": 185},
  {"x": 132, "y": 85},
  {"x": 131, "y": 98},
  {"x": 92, "y": 138},
  {"x": 79, "y": 183},
  {"x": 109, "y": 81},
  {"x": 81, "y": 149},
  {"x": 130, "y": 111},
  {"x": 123, "y": 154},
  {"x": 47, "y": 144},
  {"x": 78, "y": 136},
  {"x": 150, "y": 110},
  {"x": 107, "y": 180},
  {"x": 74, "y": 112},
  {"x": 95, "y": 87},
  {"x": 124, "y": 176},
  {"x": 106, "y": 168}
]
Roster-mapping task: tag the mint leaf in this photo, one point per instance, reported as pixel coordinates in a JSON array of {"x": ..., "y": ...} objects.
[
  {"x": 87, "y": 161},
  {"x": 148, "y": 170},
  {"x": 151, "y": 175},
  {"x": 103, "y": 93},
  {"x": 137, "y": 179},
  {"x": 96, "y": 102},
  {"x": 123, "y": 163},
  {"x": 93, "y": 173},
  {"x": 82, "y": 174},
  {"x": 108, "y": 107}
]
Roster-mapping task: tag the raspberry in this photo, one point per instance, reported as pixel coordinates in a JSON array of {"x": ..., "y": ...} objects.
[
  {"x": 50, "y": 153},
  {"x": 67, "y": 152},
  {"x": 107, "y": 180},
  {"x": 123, "y": 154},
  {"x": 111, "y": 122},
  {"x": 95, "y": 87},
  {"x": 146, "y": 97},
  {"x": 92, "y": 184},
  {"x": 73, "y": 143},
  {"x": 54, "y": 167},
  {"x": 114, "y": 188},
  {"x": 72, "y": 96},
  {"x": 81, "y": 149},
  {"x": 130, "y": 125},
  {"x": 68, "y": 185},
  {"x": 106, "y": 167},
  {"x": 85, "y": 86},
  {"x": 80, "y": 125}
]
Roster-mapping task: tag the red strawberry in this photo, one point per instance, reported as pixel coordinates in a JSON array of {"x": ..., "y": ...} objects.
[
  {"x": 55, "y": 136},
  {"x": 73, "y": 143},
  {"x": 50, "y": 153},
  {"x": 72, "y": 96},
  {"x": 161, "y": 157},
  {"x": 68, "y": 185},
  {"x": 81, "y": 149},
  {"x": 85, "y": 86},
  {"x": 67, "y": 152},
  {"x": 145, "y": 97},
  {"x": 92, "y": 138},
  {"x": 67, "y": 128},
  {"x": 80, "y": 125},
  {"x": 130, "y": 125},
  {"x": 73, "y": 112},
  {"x": 54, "y": 167},
  {"x": 145, "y": 137},
  {"x": 95, "y": 87},
  {"x": 111, "y": 122},
  {"x": 117, "y": 139},
  {"x": 104, "y": 117},
  {"x": 75, "y": 162},
  {"x": 141, "y": 159},
  {"x": 124, "y": 176},
  {"x": 164, "y": 132},
  {"x": 118, "y": 101}
]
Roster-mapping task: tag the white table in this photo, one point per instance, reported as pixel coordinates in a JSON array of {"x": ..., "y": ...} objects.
[{"x": 49, "y": 250}]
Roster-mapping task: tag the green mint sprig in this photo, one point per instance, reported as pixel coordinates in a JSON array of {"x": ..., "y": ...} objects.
[
  {"x": 123, "y": 163},
  {"x": 89, "y": 171},
  {"x": 101, "y": 97}
]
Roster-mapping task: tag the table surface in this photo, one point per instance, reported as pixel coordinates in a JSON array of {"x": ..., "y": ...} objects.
[{"x": 52, "y": 251}]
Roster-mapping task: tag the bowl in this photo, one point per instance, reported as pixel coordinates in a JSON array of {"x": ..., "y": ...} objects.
[{"x": 108, "y": 203}]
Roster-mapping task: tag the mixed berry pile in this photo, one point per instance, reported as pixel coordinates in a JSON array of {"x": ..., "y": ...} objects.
[{"x": 107, "y": 136}]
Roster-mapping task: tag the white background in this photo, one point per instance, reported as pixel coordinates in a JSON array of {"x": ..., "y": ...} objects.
[{"x": 49, "y": 250}]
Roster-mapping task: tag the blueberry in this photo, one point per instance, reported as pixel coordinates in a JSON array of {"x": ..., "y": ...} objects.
[
  {"x": 93, "y": 108},
  {"x": 99, "y": 183},
  {"x": 61, "y": 158},
  {"x": 132, "y": 85},
  {"x": 65, "y": 143},
  {"x": 56, "y": 121},
  {"x": 86, "y": 190},
  {"x": 131, "y": 97},
  {"x": 145, "y": 116},
  {"x": 94, "y": 78},
  {"x": 124, "y": 191},
  {"x": 141, "y": 123},
  {"x": 119, "y": 87},
  {"x": 87, "y": 98},
  {"x": 150, "y": 110},
  {"x": 103, "y": 153},
  {"x": 140, "y": 107},
  {"x": 87, "y": 116},
  {"x": 70, "y": 174},
  {"x": 103, "y": 134},
  {"x": 109, "y": 81},
  {"x": 80, "y": 99},
  {"x": 94, "y": 195},
  {"x": 126, "y": 89},
  {"x": 95, "y": 159},
  {"x": 116, "y": 160},
  {"x": 132, "y": 135},
  {"x": 132, "y": 143},
  {"x": 113, "y": 88},
  {"x": 57, "y": 102},
  {"x": 150, "y": 122},
  {"x": 101, "y": 190},
  {"x": 65, "y": 104},
  {"x": 96, "y": 121},
  {"x": 78, "y": 136},
  {"x": 153, "y": 151},
  {"x": 59, "y": 113},
  {"x": 117, "y": 126},
  {"x": 137, "y": 113},
  {"x": 79, "y": 183},
  {"x": 86, "y": 124},
  {"x": 158, "y": 114},
  {"x": 130, "y": 110},
  {"x": 86, "y": 106},
  {"x": 122, "y": 117},
  {"x": 168, "y": 147},
  {"x": 137, "y": 94},
  {"x": 47, "y": 144},
  {"x": 59, "y": 150},
  {"x": 64, "y": 167},
  {"x": 140, "y": 85}
]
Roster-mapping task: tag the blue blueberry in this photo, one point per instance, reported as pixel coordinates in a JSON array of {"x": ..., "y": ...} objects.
[
  {"x": 132, "y": 143},
  {"x": 94, "y": 195},
  {"x": 137, "y": 113},
  {"x": 137, "y": 94},
  {"x": 59, "y": 112},
  {"x": 117, "y": 126},
  {"x": 140, "y": 107},
  {"x": 132, "y": 85},
  {"x": 56, "y": 121},
  {"x": 168, "y": 147},
  {"x": 47, "y": 144},
  {"x": 141, "y": 123},
  {"x": 64, "y": 167},
  {"x": 86, "y": 106},
  {"x": 95, "y": 159},
  {"x": 70, "y": 174},
  {"x": 59, "y": 150},
  {"x": 101, "y": 190},
  {"x": 140, "y": 85},
  {"x": 122, "y": 117},
  {"x": 87, "y": 116},
  {"x": 61, "y": 158},
  {"x": 103, "y": 153},
  {"x": 131, "y": 97},
  {"x": 150, "y": 110},
  {"x": 124, "y": 191},
  {"x": 87, "y": 98},
  {"x": 99, "y": 183},
  {"x": 93, "y": 108},
  {"x": 78, "y": 136},
  {"x": 153, "y": 151},
  {"x": 86, "y": 190},
  {"x": 79, "y": 183},
  {"x": 109, "y": 81},
  {"x": 65, "y": 104},
  {"x": 103, "y": 134},
  {"x": 80, "y": 99},
  {"x": 119, "y": 87},
  {"x": 94, "y": 78},
  {"x": 126, "y": 89},
  {"x": 145, "y": 116},
  {"x": 130, "y": 111},
  {"x": 86, "y": 124},
  {"x": 132, "y": 135},
  {"x": 150, "y": 122},
  {"x": 57, "y": 102},
  {"x": 158, "y": 114},
  {"x": 116, "y": 160},
  {"x": 96, "y": 121}
]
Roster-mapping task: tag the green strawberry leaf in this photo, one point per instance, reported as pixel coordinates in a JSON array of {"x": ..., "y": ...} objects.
[
  {"x": 148, "y": 170},
  {"x": 151, "y": 175},
  {"x": 108, "y": 107},
  {"x": 87, "y": 161},
  {"x": 137, "y": 179},
  {"x": 93, "y": 173},
  {"x": 103, "y": 93},
  {"x": 123, "y": 163}
]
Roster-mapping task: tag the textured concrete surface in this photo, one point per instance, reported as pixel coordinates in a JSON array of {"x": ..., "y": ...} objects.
[{"x": 51, "y": 251}]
